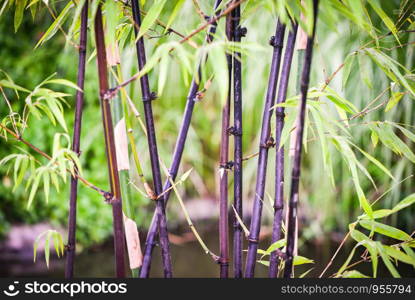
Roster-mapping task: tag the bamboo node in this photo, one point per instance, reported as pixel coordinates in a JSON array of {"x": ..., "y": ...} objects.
[
  {"x": 278, "y": 207},
  {"x": 253, "y": 240},
  {"x": 280, "y": 114},
  {"x": 109, "y": 94},
  {"x": 280, "y": 254},
  {"x": 227, "y": 165},
  {"x": 241, "y": 31},
  {"x": 274, "y": 43},
  {"x": 233, "y": 131},
  {"x": 69, "y": 247},
  {"x": 151, "y": 97},
  {"x": 269, "y": 143},
  {"x": 199, "y": 96},
  {"x": 108, "y": 197}
]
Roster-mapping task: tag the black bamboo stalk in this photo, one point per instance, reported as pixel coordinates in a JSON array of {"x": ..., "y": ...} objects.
[
  {"x": 224, "y": 167},
  {"x": 295, "y": 176},
  {"x": 70, "y": 252},
  {"x": 279, "y": 160},
  {"x": 152, "y": 144},
  {"x": 178, "y": 153},
  {"x": 265, "y": 143},
  {"x": 115, "y": 200},
  {"x": 239, "y": 32}
]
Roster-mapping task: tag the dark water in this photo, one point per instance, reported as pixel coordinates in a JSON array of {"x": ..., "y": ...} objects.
[{"x": 188, "y": 259}]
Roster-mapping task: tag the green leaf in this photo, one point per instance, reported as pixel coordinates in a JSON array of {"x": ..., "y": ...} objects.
[
  {"x": 395, "y": 98},
  {"x": 386, "y": 261},
  {"x": 385, "y": 230},
  {"x": 46, "y": 185},
  {"x": 174, "y": 13},
  {"x": 163, "y": 72},
  {"x": 18, "y": 14},
  {"x": 353, "y": 274},
  {"x": 385, "y": 18},
  {"x": 347, "y": 68},
  {"x": 375, "y": 161},
  {"x": 365, "y": 241},
  {"x": 409, "y": 251},
  {"x": 65, "y": 82},
  {"x": 33, "y": 190},
  {"x": 56, "y": 24},
  {"x": 57, "y": 111},
  {"x": 404, "y": 203},
  {"x": 374, "y": 137},
  {"x": 274, "y": 246},
  {"x": 22, "y": 171},
  {"x": 301, "y": 260},
  {"x": 151, "y": 17},
  {"x": 47, "y": 248},
  {"x": 12, "y": 85},
  {"x": 399, "y": 255}
]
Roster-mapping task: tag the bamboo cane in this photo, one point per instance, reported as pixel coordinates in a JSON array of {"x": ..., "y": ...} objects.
[
  {"x": 279, "y": 165},
  {"x": 296, "y": 170},
  {"x": 265, "y": 143},
  {"x": 70, "y": 252},
  {"x": 225, "y": 167},
  {"x": 116, "y": 200},
  {"x": 239, "y": 32},
  {"x": 178, "y": 153},
  {"x": 121, "y": 119},
  {"x": 152, "y": 144}
]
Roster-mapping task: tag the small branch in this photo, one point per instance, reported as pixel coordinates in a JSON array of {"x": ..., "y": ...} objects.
[
  {"x": 48, "y": 157},
  {"x": 213, "y": 20}
]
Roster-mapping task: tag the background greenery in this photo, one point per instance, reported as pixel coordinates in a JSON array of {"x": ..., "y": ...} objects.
[{"x": 324, "y": 207}]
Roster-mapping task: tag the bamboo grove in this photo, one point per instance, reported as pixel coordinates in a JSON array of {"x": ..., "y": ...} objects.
[{"x": 287, "y": 123}]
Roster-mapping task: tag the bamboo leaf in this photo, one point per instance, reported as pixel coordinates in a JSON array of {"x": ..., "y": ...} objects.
[
  {"x": 12, "y": 85},
  {"x": 395, "y": 98},
  {"x": 301, "y": 260},
  {"x": 353, "y": 274},
  {"x": 385, "y": 230},
  {"x": 22, "y": 171},
  {"x": 18, "y": 14},
  {"x": 365, "y": 241},
  {"x": 274, "y": 246},
  {"x": 47, "y": 248},
  {"x": 375, "y": 161},
  {"x": 33, "y": 189},
  {"x": 56, "y": 24},
  {"x": 65, "y": 82},
  {"x": 386, "y": 261},
  {"x": 399, "y": 255},
  {"x": 409, "y": 251},
  {"x": 347, "y": 68},
  {"x": 374, "y": 137},
  {"x": 46, "y": 185},
  {"x": 174, "y": 13},
  {"x": 163, "y": 71},
  {"x": 152, "y": 15},
  {"x": 385, "y": 18}
]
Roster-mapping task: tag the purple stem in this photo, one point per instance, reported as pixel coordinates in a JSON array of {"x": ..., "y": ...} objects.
[
  {"x": 265, "y": 143},
  {"x": 295, "y": 176},
  {"x": 279, "y": 168},
  {"x": 239, "y": 32},
  {"x": 115, "y": 198},
  {"x": 152, "y": 144},
  {"x": 70, "y": 253},
  {"x": 224, "y": 167},
  {"x": 177, "y": 155}
]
